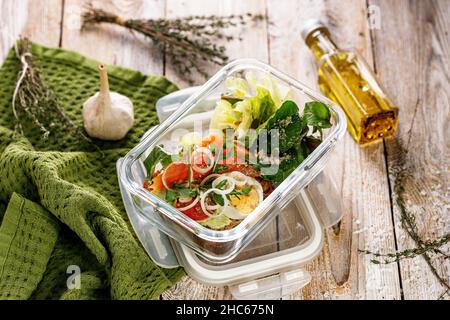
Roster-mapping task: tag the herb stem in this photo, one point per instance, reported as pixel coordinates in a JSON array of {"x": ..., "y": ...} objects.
[
  {"x": 189, "y": 41},
  {"x": 34, "y": 99},
  {"x": 408, "y": 223}
]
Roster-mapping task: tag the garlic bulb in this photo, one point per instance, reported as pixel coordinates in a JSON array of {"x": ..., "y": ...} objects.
[{"x": 107, "y": 115}]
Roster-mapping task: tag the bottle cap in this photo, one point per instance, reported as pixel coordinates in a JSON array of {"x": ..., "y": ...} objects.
[{"x": 311, "y": 25}]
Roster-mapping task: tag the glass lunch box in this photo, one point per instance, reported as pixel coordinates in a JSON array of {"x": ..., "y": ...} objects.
[
  {"x": 271, "y": 266},
  {"x": 182, "y": 112}
]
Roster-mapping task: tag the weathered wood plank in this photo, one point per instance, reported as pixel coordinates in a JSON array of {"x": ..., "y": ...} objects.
[
  {"x": 10, "y": 28},
  {"x": 110, "y": 43},
  {"x": 254, "y": 37},
  {"x": 39, "y": 20},
  {"x": 412, "y": 53},
  {"x": 340, "y": 272},
  {"x": 44, "y": 22}
]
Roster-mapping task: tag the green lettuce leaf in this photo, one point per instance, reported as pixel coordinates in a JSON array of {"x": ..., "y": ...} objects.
[
  {"x": 224, "y": 116},
  {"x": 157, "y": 155},
  {"x": 278, "y": 91},
  {"x": 237, "y": 87},
  {"x": 216, "y": 222},
  {"x": 254, "y": 101},
  {"x": 263, "y": 108},
  {"x": 244, "y": 109}
]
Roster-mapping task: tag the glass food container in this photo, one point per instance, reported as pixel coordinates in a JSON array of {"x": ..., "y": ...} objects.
[
  {"x": 206, "y": 245},
  {"x": 271, "y": 266}
]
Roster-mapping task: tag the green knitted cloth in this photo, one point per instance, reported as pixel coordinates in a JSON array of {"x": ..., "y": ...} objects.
[{"x": 60, "y": 204}]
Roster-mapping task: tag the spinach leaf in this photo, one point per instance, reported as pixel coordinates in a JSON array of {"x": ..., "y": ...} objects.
[
  {"x": 156, "y": 155},
  {"x": 289, "y": 161},
  {"x": 310, "y": 143},
  {"x": 317, "y": 115},
  {"x": 286, "y": 125},
  {"x": 292, "y": 130}
]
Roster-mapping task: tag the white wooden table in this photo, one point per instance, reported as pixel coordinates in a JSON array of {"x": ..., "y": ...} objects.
[{"x": 406, "y": 42}]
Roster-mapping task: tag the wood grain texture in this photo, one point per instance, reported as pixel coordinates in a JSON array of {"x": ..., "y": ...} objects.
[
  {"x": 340, "y": 271},
  {"x": 38, "y": 20},
  {"x": 253, "y": 37},
  {"x": 12, "y": 19},
  {"x": 109, "y": 43},
  {"x": 44, "y": 20},
  {"x": 418, "y": 81}
]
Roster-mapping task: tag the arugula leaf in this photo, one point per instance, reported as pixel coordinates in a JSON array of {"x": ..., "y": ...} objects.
[
  {"x": 221, "y": 184},
  {"x": 157, "y": 155},
  {"x": 317, "y": 115},
  {"x": 246, "y": 190},
  {"x": 187, "y": 193},
  {"x": 184, "y": 192},
  {"x": 239, "y": 192},
  {"x": 218, "y": 199},
  {"x": 177, "y": 185},
  {"x": 171, "y": 196},
  {"x": 219, "y": 167}
]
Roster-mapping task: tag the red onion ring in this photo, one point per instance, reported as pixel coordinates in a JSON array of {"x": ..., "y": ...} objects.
[
  {"x": 202, "y": 170},
  {"x": 190, "y": 205},
  {"x": 230, "y": 181},
  {"x": 203, "y": 198},
  {"x": 214, "y": 175}
]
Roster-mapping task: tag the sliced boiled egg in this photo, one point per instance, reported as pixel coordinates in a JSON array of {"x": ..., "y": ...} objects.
[{"x": 245, "y": 203}]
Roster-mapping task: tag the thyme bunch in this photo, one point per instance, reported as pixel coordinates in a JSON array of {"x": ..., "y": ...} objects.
[
  {"x": 189, "y": 42},
  {"x": 424, "y": 247},
  {"x": 33, "y": 101},
  {"x": 427, "y": 246}
]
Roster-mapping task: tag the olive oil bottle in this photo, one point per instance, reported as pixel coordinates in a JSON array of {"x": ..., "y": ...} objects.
[{"x": 346, "y": 79}]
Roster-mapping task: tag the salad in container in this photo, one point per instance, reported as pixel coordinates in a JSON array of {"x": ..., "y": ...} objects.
[{"x": 231, "y": 158}]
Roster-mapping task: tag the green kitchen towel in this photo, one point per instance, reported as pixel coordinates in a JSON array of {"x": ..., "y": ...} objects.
[{"x": 64, "y": 233}]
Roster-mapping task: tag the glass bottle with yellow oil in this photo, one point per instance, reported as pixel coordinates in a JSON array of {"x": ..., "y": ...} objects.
[{"x": 346, "y": 79}]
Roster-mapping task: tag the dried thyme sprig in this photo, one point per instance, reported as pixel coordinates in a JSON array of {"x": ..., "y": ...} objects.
[
  {"x": 427, "y": 246},
  {"x": 189, "y": 42},
  {"x": 408, "y": 222},
  {"x": 34, "y": 101}
]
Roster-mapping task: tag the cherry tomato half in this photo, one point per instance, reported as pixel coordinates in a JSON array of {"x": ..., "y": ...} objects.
[
  {"x": 196, "y": 213},
  {"x": 176, "y": 172}
]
